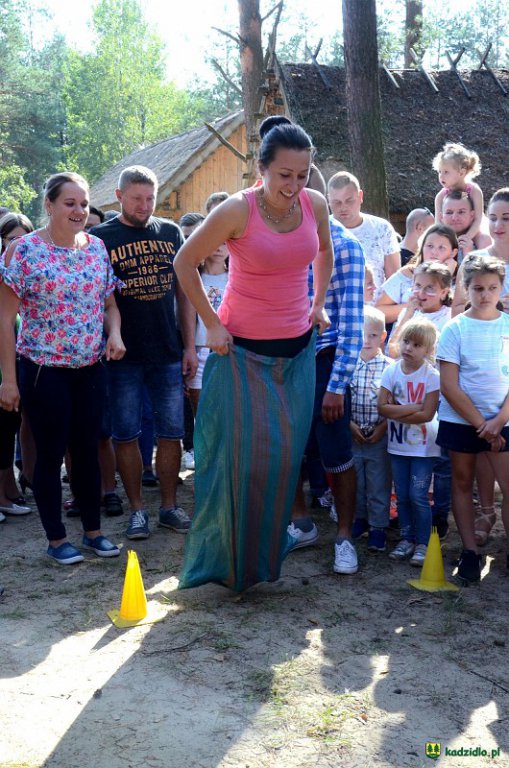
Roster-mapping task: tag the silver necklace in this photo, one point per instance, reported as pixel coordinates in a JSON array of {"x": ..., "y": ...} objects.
[
  {"x": 71, "y": 248},
  {"x": 268, "y": 216}
]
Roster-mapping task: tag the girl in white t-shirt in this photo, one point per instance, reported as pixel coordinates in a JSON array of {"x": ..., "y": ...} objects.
[
  {"x": 498, "y": 218},
  {"x": 408, "y": 399},
  {"x": 439, "y": 243},
  {"x": 474, "y": 414},
  {"x": 214, "y": 276},
  {"x": 431, "y": 298}
]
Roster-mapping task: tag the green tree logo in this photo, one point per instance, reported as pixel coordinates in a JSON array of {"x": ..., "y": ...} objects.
[{"x": 433, "y": 749}]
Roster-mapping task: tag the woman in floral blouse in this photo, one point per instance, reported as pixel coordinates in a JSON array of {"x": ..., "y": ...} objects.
[{"x": 60, "y": 281}]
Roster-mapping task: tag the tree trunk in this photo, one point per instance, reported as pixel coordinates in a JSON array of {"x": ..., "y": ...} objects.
[
  {"x": 363, "y": 103},
  {"x": 413, "y": 29},
  {"x": 251, "y": 65}
]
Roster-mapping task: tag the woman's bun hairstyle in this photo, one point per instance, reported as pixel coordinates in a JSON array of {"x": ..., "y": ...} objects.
[
  {"x": 278, "y": 132},
  {"x": 271, "y": 122}
]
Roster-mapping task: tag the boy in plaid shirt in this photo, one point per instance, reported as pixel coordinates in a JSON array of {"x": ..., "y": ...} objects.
[{"x": 369, "y": 432}]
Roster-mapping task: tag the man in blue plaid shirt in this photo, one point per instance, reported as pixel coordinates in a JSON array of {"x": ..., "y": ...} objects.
[{"x": 337, "y": 350}]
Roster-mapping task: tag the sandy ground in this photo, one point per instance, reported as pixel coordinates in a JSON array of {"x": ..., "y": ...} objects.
[{"x": 314, "y": 670}]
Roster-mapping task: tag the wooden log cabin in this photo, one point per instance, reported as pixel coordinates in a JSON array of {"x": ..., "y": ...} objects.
[{"x": 189, "y": 167}]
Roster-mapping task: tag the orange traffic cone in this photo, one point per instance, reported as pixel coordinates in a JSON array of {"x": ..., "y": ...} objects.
[
  {"x": 432, "y": 575},
  {"x": 133, "y": 608}
]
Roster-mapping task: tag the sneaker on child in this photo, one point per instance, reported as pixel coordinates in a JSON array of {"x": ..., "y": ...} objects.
[
  {"x": 72, "y": 508},
  {"x": 376, "y": 540},
  {"x": 148, "y": 479},
  {"x": 324, "y": 501},
  {"x": 402, "y": 551},
  {"x": 112, "y": 504},
  {"x": 360, "y": 528},
  {"x": 419, "y": 555},
  {"x": 188, "y": 459},
  {"x": 442, "y": 526}
]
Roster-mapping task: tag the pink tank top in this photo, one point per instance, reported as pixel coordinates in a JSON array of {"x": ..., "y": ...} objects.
[{"x": 267, "y": 293}]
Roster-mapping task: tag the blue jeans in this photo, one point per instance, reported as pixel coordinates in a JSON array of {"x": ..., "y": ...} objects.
[
  {"x": 442, "y": 479},
  {"x": 146, "y": 438},
  {"x": 165, "y": 385},
  {"x": 412, "y": 478},
  {"x": 374, "y": 482}
]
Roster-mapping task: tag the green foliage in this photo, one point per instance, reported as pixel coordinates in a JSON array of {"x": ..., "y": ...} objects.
[
  {"x": 15, "y": 192},
  {"x": 390, "y": 35},
  {"x": 334, "y": 54},
  {"x": 220, "y": 96},
  {"x": 470, "y": 28},
  {"x": 31, "y": 115},
  {"x": 446, "y": 29},
  {"x": 60, "y": 108},
  {"x": 117, "y": 98}
]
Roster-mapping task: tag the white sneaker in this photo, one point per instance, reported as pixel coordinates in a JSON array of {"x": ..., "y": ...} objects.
[
  {"x": 345, "y": 557},
  {"x": 402, "y": 551},
  {"x": 188, "y": 459},
  {"x": 302, "y": 538},
  {"x": 15, "y": 509},
  {"x": 417, "y": 558},
  {"x": 2, "y": 517},
  {"x": 333, "y": 514}
]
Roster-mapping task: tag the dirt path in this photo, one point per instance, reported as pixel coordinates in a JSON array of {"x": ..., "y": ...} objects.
[{"x": 315, "y": 670}]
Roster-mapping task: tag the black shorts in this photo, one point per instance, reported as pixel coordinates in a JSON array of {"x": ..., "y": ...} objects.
[{"x": 463, "y": 438}]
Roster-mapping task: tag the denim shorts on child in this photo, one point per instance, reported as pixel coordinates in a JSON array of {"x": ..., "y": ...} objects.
[
  {"x": 165, "y": 386},
  {"x": 333, "y": 441},
  {"x": 463, "y": 438},
  {"x": 202, "y": 354}
]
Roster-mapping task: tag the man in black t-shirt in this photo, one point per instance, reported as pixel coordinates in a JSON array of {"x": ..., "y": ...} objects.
[{"x": 142, "y": 249}]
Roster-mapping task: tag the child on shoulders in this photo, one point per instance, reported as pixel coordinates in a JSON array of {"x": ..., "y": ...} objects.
[{"x": 457, "y": 166}]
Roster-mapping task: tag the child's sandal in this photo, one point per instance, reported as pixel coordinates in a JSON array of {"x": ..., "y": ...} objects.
[{"x": 486, "y": 516}]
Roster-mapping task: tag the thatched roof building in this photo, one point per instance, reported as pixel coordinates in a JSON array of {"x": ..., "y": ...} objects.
[
  {"x": 416, "y": 123},
  {"x": 189, "y": 167}
]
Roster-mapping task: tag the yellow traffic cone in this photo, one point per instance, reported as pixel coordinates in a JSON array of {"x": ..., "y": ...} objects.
[
  {"x": 133, "y": 608},
  {"x": 432, "y": 574},
  {"x": 134, "y": 603}
]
